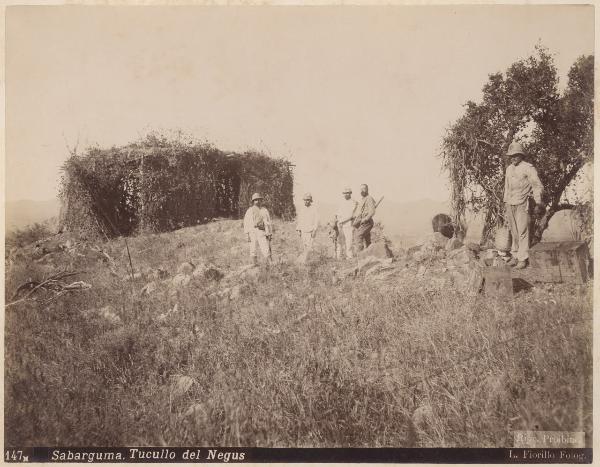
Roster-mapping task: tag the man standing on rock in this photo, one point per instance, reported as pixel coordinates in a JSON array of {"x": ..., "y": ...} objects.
[
  {"x": 520, "y": 183},
  {"x": 363, "y": 219},
  {"x": 308, "y": 222},
  {"x": 258, "y": 228},
  {"x": 344, "y": 222}
]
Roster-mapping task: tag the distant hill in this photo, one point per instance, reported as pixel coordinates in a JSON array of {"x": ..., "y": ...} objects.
[
  {"x": 20, "y": 214},
  {"x": 406, "y": 223}
]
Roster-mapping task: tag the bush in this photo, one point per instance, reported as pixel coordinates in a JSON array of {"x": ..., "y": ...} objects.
[{"x": 30, "y": 234}]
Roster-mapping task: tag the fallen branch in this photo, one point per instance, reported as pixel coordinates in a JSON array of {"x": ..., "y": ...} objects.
[{"x": 51, "y": 283}]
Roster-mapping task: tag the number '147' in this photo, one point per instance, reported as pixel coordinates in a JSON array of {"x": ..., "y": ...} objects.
[{"x": 12, "y": 455}]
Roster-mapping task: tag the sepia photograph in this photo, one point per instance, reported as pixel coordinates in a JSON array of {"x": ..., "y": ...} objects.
[{"x": 252, "y": 233}]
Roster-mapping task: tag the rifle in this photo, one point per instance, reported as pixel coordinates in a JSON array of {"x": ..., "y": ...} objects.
[{"x": 363, "y": 208}]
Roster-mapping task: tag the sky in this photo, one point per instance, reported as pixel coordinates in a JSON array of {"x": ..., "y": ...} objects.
[{"x": 350, "y": 94}]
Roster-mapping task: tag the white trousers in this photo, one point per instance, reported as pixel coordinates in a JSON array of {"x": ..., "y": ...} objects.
[
  {"x": 518, "y": 223},
  {"x": 307, "y": 241},
  {"x": 257, "y": 236},
  {"x": 348, "y": 232}
]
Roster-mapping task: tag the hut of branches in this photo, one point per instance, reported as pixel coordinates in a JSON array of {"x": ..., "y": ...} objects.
[{"x": 159, "y": 185}]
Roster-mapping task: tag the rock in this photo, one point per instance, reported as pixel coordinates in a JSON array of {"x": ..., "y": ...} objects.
[
  {"x": 149, "y": 288},
  {"x": 180, "y": 280},
  {"x": 198, "y": 413},
  {"x": 460, "y": 256},
  {"x": 423, "y": 416},
  {"x": 474, "y": 278},
  {"x": 383, "y": 265},
  {"x": 181, "y": 385},
  {"x": 419, "y": 256},
  {"x": 199, "y": 270},
  {"x": 186, "y": 268},
  {"x": 453, "y": 244},
  {"x": 474, "y": 247},
  {"x": 413, "y": 250},
  {"x": 109, "y": 315},
  {"x": 398, "y": 252},
  {"x": 367, "y": 263},
  {"x": 468, "y": 278},
  {"x": 490, "y": 253},
  {"x": 435, "y": 241},
  {"x": 377, "y": 250},
  {"x": 373, "y": 270},
  {"x": 248, "y": 271},
  {"x": 458, "y": 278},
  {"x": 422, "y": 270},
  {"x": 213, "y": 274}
]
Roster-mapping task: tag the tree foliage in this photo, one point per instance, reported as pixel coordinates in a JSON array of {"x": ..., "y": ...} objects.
[
  {"x": 522, "y": 104},
  {"x": 160, "y": 184}
]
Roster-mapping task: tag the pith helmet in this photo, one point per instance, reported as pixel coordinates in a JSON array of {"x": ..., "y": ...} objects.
[
  {"x": 307, "y": 196},
  {"x": 347, "y": 190},
  {"x": 515, "y": 148},
  {"x": 256, "y": 196}
]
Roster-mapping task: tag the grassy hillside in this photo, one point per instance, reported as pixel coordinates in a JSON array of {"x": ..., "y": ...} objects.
[{"x": 294, "y": 355}]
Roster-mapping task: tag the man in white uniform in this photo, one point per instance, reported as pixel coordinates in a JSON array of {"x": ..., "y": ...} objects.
[
  {"x": 520, "y": 183},
  {"x": 258, "y": 228},
  {"x": 344, "y": 222},
  {"x": 308, "y": 222}
]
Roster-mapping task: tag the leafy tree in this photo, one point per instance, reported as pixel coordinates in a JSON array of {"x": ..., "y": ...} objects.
[{"x": 522, "y": 104}]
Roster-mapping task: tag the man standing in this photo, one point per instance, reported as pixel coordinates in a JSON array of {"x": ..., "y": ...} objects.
[
  {"x": 308, "y": 222},
  {"x": 363, "y": 219},
  {"x": 258, "y": 228},
  {"x": 521, "y": 182},
  {"x": 344, "y": 222}
]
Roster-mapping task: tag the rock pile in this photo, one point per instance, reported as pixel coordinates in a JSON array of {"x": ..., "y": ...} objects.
[{"x": 437, "y": 263}]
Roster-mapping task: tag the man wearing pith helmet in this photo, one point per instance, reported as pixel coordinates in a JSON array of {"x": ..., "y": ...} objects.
[
  {"x": 520, "y": 183},
  {"x": 258, "y": 228},
  {"x": 344, "y": 222},
  {"x": 308, "y": 222}
]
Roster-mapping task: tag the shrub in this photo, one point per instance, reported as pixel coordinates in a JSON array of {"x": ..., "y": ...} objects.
[{"x": 27, "y": 235}]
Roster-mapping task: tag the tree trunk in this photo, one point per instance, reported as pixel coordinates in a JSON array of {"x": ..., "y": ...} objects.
[{"x": 541, "y": 224}]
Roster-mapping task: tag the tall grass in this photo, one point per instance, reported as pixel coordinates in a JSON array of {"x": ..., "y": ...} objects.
[{"x": 295, "y": 361}]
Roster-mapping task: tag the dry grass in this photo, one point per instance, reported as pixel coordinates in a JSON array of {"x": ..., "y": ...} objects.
[{"x": 295, "y": 362}]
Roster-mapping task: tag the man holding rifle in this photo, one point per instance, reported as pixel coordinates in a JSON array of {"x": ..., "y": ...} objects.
[
  {"x": 363, "y": 219},
  {"x": 344, "y": 223}
]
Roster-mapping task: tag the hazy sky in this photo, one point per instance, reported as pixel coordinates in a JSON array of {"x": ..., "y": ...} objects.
[{"x": 350, "y": 94}]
